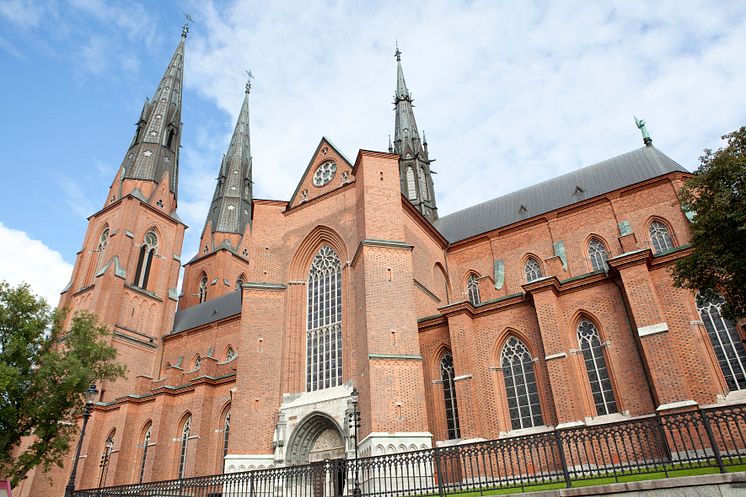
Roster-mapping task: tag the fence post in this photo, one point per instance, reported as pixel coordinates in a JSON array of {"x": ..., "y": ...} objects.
[
  {"x": 713, "y": 443},
  {"x": 563, "y": 460},
  {"x": 439, "y": 470}
]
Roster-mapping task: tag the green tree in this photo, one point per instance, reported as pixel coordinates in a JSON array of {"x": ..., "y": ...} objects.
[
  {"x": 717, "y": 194},
  {"x": 44, "y": 371}
]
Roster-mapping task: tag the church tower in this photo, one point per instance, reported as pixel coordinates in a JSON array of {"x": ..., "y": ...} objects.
[
  {"x": 414, "y": 164},
  {"x": 222, "y": 263},
  {"x": 127, "y": 270}
]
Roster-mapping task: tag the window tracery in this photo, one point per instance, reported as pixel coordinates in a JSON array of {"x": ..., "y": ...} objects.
[
  {"x": 532, "y": 270},
  {"x": 472, "y": 288},
  {"x": 447, "y": 376},
  {"x": 145, "y": 261},
  {"x": 595, "y": 366},
  {"x": 729, "y": 349},
  {"x": 598, "y": 254},
  {"x": 660, "y": 237},
  {"x": 520, "y": 385}
]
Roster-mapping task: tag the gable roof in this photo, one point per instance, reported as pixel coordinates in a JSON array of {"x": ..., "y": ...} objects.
[
  {"x": 623, "y": 170},
  {"x": 208, "y": 312},
  {"x": 324, "y": 139}
]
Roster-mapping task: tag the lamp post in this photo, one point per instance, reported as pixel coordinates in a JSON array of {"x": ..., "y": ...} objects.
[
  {"x": 90, "y": 397},
  {"x": 354, "y": 420}
]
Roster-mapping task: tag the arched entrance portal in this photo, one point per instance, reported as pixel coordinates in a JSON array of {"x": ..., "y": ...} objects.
[
  {"x": 317, "y": 438},
  {"x": 318, "y": 441}
]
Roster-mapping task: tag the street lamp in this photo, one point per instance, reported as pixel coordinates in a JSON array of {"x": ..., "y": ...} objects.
[
  {"x": 354, "y": 420},
  {"x": 90, "y": 397}
]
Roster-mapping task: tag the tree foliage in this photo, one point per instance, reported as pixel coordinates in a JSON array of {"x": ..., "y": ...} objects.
[
  {"x": 717, "y": 194},
  {"x": 44, "y": 371}
]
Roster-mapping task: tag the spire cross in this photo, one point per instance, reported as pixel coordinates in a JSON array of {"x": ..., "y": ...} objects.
[
  {"x": 249, "y": 77},
  {"x": 185, "y": 28},
  {"x": 397, "y": 54}
]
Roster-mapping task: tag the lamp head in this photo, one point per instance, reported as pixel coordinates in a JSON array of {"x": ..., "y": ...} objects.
[{"x": 90, "y": 395}]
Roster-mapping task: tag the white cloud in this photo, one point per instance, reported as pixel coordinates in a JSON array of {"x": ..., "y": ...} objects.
[
  {"x": 20, "y": 12},
  {"x": 23, "y": 259},
  {"x": 509, "y": 94}
]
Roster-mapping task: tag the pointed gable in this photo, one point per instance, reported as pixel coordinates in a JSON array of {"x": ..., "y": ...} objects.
[{"x": 327, "y": 170}]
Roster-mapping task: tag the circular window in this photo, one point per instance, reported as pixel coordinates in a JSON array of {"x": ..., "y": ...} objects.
[{"x": 324, "y": 173}]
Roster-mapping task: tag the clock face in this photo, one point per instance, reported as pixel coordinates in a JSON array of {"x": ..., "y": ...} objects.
[{"x": 324, "y": 173}]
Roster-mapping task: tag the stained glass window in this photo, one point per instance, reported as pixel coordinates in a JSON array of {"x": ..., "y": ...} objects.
[
  {"x": 520, "y": 385},
  {"x": 324, "y": 321},
  {"x": 595, "y": 365},
  {"x": 449, "y": 394},
  {"x": 729, "y": 349}
]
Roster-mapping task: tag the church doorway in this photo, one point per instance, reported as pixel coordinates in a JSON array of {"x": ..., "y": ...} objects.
[{"x": 318, "y": 442}]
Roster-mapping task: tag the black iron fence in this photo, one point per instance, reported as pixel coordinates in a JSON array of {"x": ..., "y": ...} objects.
[{"x": 692, "y": 442}]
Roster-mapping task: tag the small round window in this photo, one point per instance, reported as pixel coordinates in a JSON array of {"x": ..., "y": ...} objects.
[{"x": 324, "y": 173}]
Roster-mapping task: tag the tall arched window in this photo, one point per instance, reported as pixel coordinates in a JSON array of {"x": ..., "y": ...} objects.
[
  {"x": 411, "y": 186},
  {"x": 595, "y": 365},
  {"x": 660, "y": 237},
  {"x": 144, "y": 455},
  {"x": 101, "y": 248},
  {"x": 520, "y": 385},
  {"x": 202, "y": 288},
  {"x": 145, "y": 261},
  {"x": 424, "y": 190},
  {"x": 532, "y": 270},
  {"x": 226, "y": 434},
  {"x": 105, "y": 458},
  {"x": 183, "y": 446},
  {"x": 598, "y": 254},
  {"x": 729, "y": 349},
  {"x": 324, "y": 321},
  {"x": 230, "y": 354},
  {"x": 449, "y": 395},
  {"x": 472, "y": 288}
]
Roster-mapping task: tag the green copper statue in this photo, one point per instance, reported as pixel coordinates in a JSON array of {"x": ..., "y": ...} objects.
[{"x": 643, "y": 128}]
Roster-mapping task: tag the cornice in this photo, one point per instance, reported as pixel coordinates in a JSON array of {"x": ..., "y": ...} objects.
[{"x": 392, "y": 244}]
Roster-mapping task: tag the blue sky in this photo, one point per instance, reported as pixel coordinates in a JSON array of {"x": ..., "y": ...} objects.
[{"x": 509, "y": 93}]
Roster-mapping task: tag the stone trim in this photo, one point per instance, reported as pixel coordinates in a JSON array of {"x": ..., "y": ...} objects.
[
  {"x": 264, "y": 286},
  {"x": 652, "y": 329},
  {"x": 676, "y": 405},
  {"x": 379, "y": 243},
  {"x": 134, "y": 340},
  {"x": 462, "y": 377},
  {"x": 427, "y": 292},
  {"x": 558, "y": 355},
  {"x": 405, "y": 357}
]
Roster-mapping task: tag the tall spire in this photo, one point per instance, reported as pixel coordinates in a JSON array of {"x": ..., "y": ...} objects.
[
  {"x": 414, "y": 163},
  {"x": 231, "y": 205},
  {"x": 154, "y": 150}
]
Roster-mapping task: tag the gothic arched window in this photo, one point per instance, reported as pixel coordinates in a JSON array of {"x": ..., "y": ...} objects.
[
  {"x": 449, "y": 395},
  {"x": 411, "y": 186},
  {"x": 202, "y": 293},
  {"x": 598, "y": 254},
  {"x": 472, "y": 288},
  {"x": 197, "y": 362},
  {"x": 660, "y": 237},
  {"x": 183, "y": 446},
  {"x": 532, "y": 270},
  {"x": 144, "y": 455},
  {"x": 423, "y": 185},
  {"x": 729, "y": 349},
  {"x": 101, "y": 247},
  {"x": 520, "y": 385},
  {"x": 324, "y": 321},
  {"x": 226, "y": 434},
  {"x": 595, "y": 365},
  {"x": 106, "y": 458},
  {"x": 230, "y": 354},
  {"x": 145, "y": 261},
  {"x": 239, "y": 282}
]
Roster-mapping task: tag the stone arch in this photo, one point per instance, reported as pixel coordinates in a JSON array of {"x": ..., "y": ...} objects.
[
  {"x": 307, "y": 249},
  {"x": 314, "y": 439},
  {"x": 440, "y": 282}
]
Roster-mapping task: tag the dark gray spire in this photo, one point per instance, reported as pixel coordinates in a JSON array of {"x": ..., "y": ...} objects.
[
  {"x": 414, "y": 164},
  {"x": 155, "y": 147},
  {"x": 230, "y": 211}
]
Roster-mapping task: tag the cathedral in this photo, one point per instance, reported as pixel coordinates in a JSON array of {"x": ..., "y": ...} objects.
[{"x": 551, "y": 306}]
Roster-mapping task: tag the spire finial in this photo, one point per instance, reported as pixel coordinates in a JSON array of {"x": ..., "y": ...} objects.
[
  {"x": 249, "y": 77},
  {"x": 185, "y": 28},
  {"x": 642, "y": 126},
  {"x": 397, "y": 54},
  {"x": 391, "y": 147}
]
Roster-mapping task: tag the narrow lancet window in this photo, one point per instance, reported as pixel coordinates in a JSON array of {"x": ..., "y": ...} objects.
[
  {"x": 183, "y": 446},
  {"x": 324, "y": 321},
  {"x": 449, "y": 395},
  {"x": 595, "y": 366},
  {"x": 105, "y": 459},
  {"x": 660, "y": 237},
  {"x": 520, "y": 385},
  {"x": 411, "y": 186},
  {"x": 729, "y": 349},
  {"x": 202, "y": 292},
  {"x": 145, "y": 261},
  {"x": 423, "y": 185},
  {"x": 472, "y": 287},
  {"x": 598, "y": 254},
  {"x": 144, "y": 456},
  {"x": 226, "y": 434}
]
